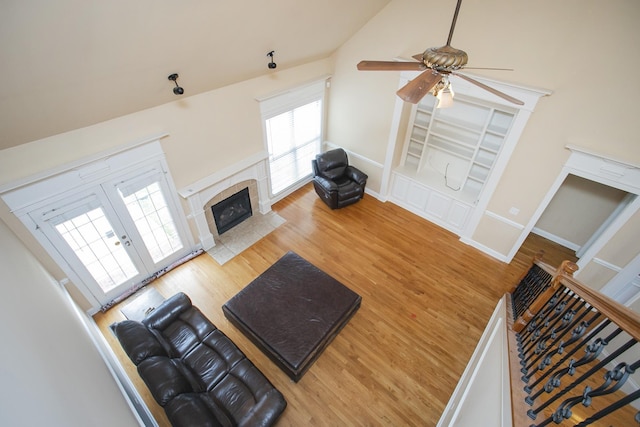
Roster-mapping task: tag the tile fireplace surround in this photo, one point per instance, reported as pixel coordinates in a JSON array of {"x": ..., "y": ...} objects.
[{"x": 251, "y": 173}]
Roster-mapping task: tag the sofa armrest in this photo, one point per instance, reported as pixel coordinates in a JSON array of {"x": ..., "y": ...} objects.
[
  {"x": 356, "y": 175},
  {"x": 266, "y": 411},
  {"x": 167, "y": 312},
  {"x": 325, "y": 183},
  {"x": 137, "y": 341},
  {"x": 188, "y": 410}
]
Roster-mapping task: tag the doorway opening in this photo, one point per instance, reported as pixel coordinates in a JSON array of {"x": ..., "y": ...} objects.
[
  {"x": 599, "y": 263},
  {"x": 579, "y": 212}
]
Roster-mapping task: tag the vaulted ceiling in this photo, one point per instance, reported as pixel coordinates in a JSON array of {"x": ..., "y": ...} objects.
[{"x": 68, "y": 64}]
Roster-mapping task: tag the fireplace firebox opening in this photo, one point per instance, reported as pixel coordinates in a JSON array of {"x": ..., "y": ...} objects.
[{"x": 232, "y": 211}]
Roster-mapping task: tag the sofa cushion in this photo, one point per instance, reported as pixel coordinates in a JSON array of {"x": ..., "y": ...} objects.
[
  {"x": 185, "y": 332},
  {"x": 164, "y": 379},
  {"x": 188, "y": 410},
  {"x": 334, "y": 173},
  {"x": 137, "y": 341},
  {"x": 349, "y": 190},
  {"x": 212, "y": 359},
  {"x": 248, "y": 397}
]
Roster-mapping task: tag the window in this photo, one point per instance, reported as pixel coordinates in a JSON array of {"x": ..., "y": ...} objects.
[{"x": 293, "y": 124}]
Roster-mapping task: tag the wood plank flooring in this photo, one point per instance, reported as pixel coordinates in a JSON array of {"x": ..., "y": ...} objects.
[{"x": 426, "y": 298}]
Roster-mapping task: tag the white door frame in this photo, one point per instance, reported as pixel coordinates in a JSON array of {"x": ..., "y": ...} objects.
[
  {"x": 62, "y": 249},
  {"x": 599, "y": 168},
  {"x": 35, "y": 192},
  {"x": 624, "y": 286}
]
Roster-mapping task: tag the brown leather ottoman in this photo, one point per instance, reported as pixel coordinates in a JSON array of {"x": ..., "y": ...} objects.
[{"x": 292, "y": 311}]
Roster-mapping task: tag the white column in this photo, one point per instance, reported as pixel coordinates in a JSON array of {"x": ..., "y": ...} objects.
[{"x": 197, "y": 214}]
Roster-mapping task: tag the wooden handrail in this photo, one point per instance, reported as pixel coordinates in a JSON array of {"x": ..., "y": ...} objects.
[{"x": 623, "y": 316}]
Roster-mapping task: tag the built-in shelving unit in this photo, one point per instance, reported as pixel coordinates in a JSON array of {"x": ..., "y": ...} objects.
[
  {"x": 455, "y": 148},
  {"x": 452, "y": 159}
]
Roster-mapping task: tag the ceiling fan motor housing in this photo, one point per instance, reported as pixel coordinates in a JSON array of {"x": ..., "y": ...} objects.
[{"x": 445, "y": 58}]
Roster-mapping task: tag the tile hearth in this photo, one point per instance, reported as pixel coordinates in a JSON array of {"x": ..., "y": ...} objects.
[{"x": 244, "y": 235}]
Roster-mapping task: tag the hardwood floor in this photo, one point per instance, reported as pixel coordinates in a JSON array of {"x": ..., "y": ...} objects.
[{"x": 426, "y": 298}]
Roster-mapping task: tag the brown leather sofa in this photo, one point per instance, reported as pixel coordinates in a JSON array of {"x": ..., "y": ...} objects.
[
  {"x": 337, "y": 183},
  {"x": 195, "y": 371}
]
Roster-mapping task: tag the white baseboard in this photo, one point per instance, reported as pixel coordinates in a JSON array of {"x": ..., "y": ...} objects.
[
  {"x": 556, "y": 239},
  {"x": 487, "y": 250}
]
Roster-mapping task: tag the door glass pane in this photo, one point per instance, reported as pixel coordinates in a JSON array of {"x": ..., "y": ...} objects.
[
  {"x": 91, "y": 237},
  {"x": 150, "y": 213}
]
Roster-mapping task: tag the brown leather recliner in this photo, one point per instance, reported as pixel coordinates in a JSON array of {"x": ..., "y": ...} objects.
[{"x": 337, "y": 183}]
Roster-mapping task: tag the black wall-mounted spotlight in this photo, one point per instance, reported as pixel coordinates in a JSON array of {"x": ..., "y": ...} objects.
[
  {"x": 176, "y": 90},
  {"x": 271, "y": 64}
]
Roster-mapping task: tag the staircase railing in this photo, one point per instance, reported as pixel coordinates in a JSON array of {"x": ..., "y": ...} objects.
[{"x": 573, "y": 352}]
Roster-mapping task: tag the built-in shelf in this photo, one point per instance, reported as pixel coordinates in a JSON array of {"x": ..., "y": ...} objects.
[
  {"x": 452, "y": 159},
  {"x": 458, "y": 145}
]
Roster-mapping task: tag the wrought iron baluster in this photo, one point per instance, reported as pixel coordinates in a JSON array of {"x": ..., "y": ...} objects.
[
  {"x": 533, "y": 328},
  {"x": 613, "y": 380},
  {"x": 590, "y": 356},
  {"x": 612, "y": 408},
  {"x": 562, "y": 311},
  {"x": 576, "y": 328},
  {"x": 560, "y": 350},
  {"x": 533, "y": 284}
]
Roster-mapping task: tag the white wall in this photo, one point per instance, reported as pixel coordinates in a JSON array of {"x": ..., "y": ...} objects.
[
  {"x": 482, "y": 396},
  {"x": 207, "y": 133},
  {"x": 51, "y": 373}
]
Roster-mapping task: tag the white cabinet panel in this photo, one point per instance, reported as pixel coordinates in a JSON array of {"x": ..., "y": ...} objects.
[
  {"x": 418, "y": 196},
  {"x": 400, "y": 187},
  {"x": 458, "y": 214},
  {"x": 429, "y": 203},
  {"x": 438, "y": 205}
]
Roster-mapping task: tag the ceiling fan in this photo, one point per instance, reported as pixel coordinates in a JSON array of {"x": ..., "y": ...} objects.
[{"x": 438, "y": 63}]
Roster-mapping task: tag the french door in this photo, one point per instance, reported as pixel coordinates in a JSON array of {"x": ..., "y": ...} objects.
[{"x": 115, "y": 234}]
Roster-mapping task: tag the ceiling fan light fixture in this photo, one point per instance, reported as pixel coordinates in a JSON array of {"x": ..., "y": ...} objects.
[{"x": 445, "y": 96}]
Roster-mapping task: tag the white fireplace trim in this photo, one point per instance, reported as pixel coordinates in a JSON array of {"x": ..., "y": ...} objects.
[{"x": 200, "y": 192}]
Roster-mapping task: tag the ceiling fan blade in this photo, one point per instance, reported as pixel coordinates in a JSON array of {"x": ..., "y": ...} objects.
[
  {"x": 417, "y": 88},
  {"x": 418, "y": 57},
  {"x": 391, "y": 65},
  {"x": 490, "y": 89}
]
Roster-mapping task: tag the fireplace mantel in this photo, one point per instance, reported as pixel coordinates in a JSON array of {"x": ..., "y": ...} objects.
[{"x": 200, "y": 192}]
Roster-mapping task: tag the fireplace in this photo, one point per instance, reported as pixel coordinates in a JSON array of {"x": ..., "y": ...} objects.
[
  {"x": 232, "y": 211},
  {"x": 205, "y": 193}
]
